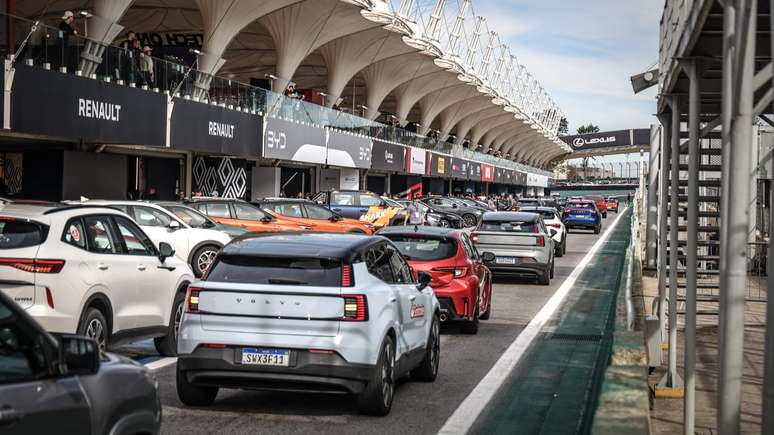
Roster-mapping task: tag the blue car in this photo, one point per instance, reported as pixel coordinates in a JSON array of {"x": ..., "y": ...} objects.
[
  {"x": 583, "y": 215},
  {"x": 349, "y": 203}
]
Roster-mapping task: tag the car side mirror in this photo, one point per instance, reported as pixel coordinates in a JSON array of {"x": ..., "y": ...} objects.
[
  {"x": 78, "y": 355},
  {"x": 165, "y": 251},
  {"x": 423, "y": 279},
  {"x": 266, "y": 219},
  {"x": 454, "y": 205},
  {"x": 488, "y": 257},
  {"x": 174, "y": 225}
]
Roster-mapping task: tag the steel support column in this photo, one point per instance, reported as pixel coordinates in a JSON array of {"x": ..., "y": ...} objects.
[
  {"x": 671, "y": 384},
  {"x": 663, "y": 207},
  {"x": 651, "y": 218},
  {"x": 694, "y": 105},
  {"x": 738, "y": 71},
  {"x": 767, "y": 423}
]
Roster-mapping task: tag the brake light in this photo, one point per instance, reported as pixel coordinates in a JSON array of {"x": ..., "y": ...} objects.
[
  {"x": 192, "y": 300},
  {"x": 33, "y": 265},
  {"x": 555, "y": 225},
  {"x": 346, "y": 276},
  {"x": 355, "y": 308},
  {"x": 49, "y": 298},
  {"x": 458, "y": 272},
  {"x": 541, "y": 241},
  {"x": 215, "y": 345}
]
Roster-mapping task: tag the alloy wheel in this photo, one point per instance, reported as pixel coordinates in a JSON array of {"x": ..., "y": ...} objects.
[
  {"x": 178, "y": 317},
  {"x": 96, "y": 331},
  {"x": 205, "y": 259},
  {"x": 388, "y": 369},
  {"x": 435, "y": 349}
]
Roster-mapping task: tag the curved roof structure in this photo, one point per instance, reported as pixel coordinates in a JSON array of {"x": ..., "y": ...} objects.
[{"x": 432, "y": 62}]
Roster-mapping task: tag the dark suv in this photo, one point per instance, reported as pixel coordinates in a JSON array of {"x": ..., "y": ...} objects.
[{"x": 63, "y": 385}]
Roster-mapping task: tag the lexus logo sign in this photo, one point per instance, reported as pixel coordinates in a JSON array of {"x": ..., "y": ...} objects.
[{"x": 579, "y": 141}]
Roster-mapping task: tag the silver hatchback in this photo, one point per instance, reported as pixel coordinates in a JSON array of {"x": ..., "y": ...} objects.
[{"x": 516, "y": 243}]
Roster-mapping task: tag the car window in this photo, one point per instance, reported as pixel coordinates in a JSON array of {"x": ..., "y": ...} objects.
[
  {"x": 292, "y": 210},
  {"x": 400, "y": 269},
  {"x": 218, "y": 210},
  {"x": 121, "y": 207},
  {"x": 377, "y": 261},
  {"x": 510, "y": 226},
  {"x": 343, "y": 198},
  {"x": 249, "y": 269},
  {"x": 248, "y": 212},
  {"x": 99, "y": 234},
  {"x": 317, "y": 212},
  {"x": 423, "y": 248},
  {"x": 22, "y": 349},
  {"x": 134, "y": 241},
  {"x": 367, "y": 200},
  {"x": 190, "y": 217},
  {"x": 467, "y": 245},
  {"x": 73, "y": 233},
  {"x": 16, "y": 234},
  {"x": 147, "y": 216}
]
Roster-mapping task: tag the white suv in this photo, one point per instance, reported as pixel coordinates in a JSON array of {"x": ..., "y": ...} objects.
[
  {"x": 195, "y": 246},
  {"x": 91, "y": 271},
  {"x": 320, "y": 312},
  {"x": 552, "y": 220}
]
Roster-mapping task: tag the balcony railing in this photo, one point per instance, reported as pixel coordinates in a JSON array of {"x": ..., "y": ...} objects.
[{"x": 43, "y": 46}]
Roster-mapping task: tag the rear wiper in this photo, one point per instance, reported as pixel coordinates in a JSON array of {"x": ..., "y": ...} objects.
[{"x": 286, "y": 281}]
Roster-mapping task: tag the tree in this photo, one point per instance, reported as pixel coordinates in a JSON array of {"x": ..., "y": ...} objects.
[
  {"x": 585, "y": 129},
  {"x": 563, "y": 127}
]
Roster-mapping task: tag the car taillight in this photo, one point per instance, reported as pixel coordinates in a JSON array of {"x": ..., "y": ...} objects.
[
  {"x": 346, "y": 276},
  {"x": 541, "y": 241},
  {"x": 33, "y": 265},
  {"x": 192, "y": 300},
  {"x": 355, "y": 308},
  {"x": 474, "y": 238},
  {"x": 458, "y": 272},
  {"x": 555, "y": 225}
]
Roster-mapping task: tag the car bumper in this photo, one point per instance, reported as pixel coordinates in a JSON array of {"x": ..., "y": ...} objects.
[
  {"x": 457, "y": 299},
  {"x": 309, "y": 372},
  {"x": 525, "y": 269},
  {"x": 581, "y": 224}
]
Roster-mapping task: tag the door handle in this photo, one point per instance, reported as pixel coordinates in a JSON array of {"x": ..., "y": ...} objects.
[
  {"x": 337, "y": 209},
  {"x": 412, "y": 297},
  {"x": 103, "y": 266},
  {"x": 10, "y": 415},
  {"x": 140, "y": 267},
  {"x": 392, "y": 299}
]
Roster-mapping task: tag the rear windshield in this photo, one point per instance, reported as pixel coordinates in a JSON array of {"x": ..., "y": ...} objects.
[
  {"x": 581, "y": 205},
  {"x": 276, "y": 271},
  {"x": 424, "y": 249},
  {"x": 509, "y": 226},
  {"x": 548, "y": 214},
  {"x": 20, "y": 234}
]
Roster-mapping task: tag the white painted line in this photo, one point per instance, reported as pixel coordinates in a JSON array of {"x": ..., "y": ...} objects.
[
  {"x": 466, "y": 414},
  {"x": 161, "y": 363}
]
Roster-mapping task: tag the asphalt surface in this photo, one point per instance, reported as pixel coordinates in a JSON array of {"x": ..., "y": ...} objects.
[{"x": 417, "y": 408}]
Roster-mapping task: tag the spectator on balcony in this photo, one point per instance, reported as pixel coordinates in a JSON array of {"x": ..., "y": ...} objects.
[
  {"x": 63, "y": 44},
  {"x": 130, "y": 38},
  {"x": 146, "y": 67}
]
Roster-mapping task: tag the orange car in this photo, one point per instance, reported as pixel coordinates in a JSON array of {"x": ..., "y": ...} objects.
[
  {"x": 601, "y": 203},
  {"x": 314, "y": 216},
  {"x": 242, "y": 214}
]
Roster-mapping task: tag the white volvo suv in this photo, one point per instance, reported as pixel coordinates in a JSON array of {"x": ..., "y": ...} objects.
[
  {"x": 195, "y": 246},
  {"x": 91, "y": 271},
  {"x": 308, "y": 311}
]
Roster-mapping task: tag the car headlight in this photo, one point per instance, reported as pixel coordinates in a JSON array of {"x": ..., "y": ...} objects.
[{"x": 433, "y": 218}]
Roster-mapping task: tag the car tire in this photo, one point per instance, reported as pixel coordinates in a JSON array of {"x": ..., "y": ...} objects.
[
  {"x": 469, "y": 220},
  {"x": 553, "y": 262},
  {"x": 93, "y": 325},
  {"x": 545, "y": 277},
  {"x": 427, "y": 370},
  {"x": 376, "y": 398},
  {"x": 202, "y": 259},
  {"x": 564, "y": 245},
  {"x": 486, "y": 314},
  {"x": 167, "y": 345},
  {"x": 560, "y": 251},
  {"x": 597, "y": 229},
  {"x": 471, "y": 326},
  {"x": 604, "y": 215},
  {"x": 193, "y": 395}
]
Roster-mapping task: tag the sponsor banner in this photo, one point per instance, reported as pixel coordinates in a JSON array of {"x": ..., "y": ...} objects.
[
  {"x": 520, "y": 178},
  {"x": 474, "y": 171},
  {"x": 508, "y": 176},
  {"x": 349, "y": 179},
  {"x": 499, "y": 175},
  {"x": 287, "y": 140},
  {"x": 487, "y": 173},
  {"x": 349, "y": 150},
  {"x": 536, "y": 180},
  {"x": 220, "y": 176},
  {"x": 605, "y": 139},
  {"x": 215, "y": 130},
  {"x": 417, "y": 160},
  {"x": 388, "y": 157},
  {"x": 50, "y": 103},
  {"x": 440, "y": 165},
  {"x": 380, "y": 216},
  {"x": 459, "y": 168}
]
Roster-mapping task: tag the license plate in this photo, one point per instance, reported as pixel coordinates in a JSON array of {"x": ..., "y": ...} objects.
[
  {"x": 580, "y": 216},
  {"x": 505, "y": 260},
  {"x": 265, "y": 357}
]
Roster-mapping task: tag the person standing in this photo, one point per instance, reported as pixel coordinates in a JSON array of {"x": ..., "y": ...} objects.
[
  {"x": 67, "y": 31},
  {"x": 414, "y": 213},
  {"x": 146, "y": 67}
]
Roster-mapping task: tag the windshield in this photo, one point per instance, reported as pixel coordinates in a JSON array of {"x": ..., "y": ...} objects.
[
  {"x": 469, "y": 202},
  {"x": 547, "y": 214},
  {"x": 421, "y": 248},
  {"x": 580, "y": 205},
  {"x": 190, "y": 216},
  {"x": 250, "y": 269},
  {"x": 509, "y": 227}
]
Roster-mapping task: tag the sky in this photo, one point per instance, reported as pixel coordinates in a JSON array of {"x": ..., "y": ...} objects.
[{"x": 583, "y": 53}]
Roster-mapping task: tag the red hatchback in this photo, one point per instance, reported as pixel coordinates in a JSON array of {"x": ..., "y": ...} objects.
[
  {"x": 601, "y": 203},
  {"x": 461, "y": 281}
]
